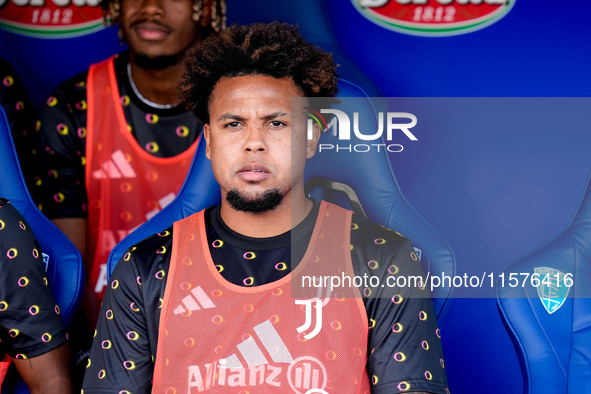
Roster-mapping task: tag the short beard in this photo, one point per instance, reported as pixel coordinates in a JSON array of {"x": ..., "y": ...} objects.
[
  {"x": 268, "y": 201},
  {"x": 156, "y": 63}
]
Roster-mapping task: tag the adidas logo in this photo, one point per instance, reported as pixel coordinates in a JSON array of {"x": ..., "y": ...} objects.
[
  {"x": 304, "y": 374},
  {"x": 116, "y": 168},
  {"x": 195, "y": 301},
  {"x": 253, "y": 355}
]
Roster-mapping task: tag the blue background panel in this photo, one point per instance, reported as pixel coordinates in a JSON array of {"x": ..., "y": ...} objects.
[{"x": 494, "y": 192}]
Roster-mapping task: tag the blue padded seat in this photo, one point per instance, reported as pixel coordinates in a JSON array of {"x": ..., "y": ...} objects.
[
  {"x": 550, "y": 327},
  {"x": 63, "y": 263},
  {"x": 371, "y": 178}
]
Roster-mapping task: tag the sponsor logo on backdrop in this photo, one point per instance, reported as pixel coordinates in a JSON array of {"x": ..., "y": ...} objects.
[
  {"x": 51, "y": 18},
  {"x": 434, "y": 17}
]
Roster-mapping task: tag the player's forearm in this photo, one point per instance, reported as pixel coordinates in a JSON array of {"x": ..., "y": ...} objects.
[{"x": 48, "y": 373}]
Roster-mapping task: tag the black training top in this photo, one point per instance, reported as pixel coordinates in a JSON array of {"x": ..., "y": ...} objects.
[
  {"x": 30, "y": 324},
  {"x": 134, "y": 299},
  {"x": 61, "y": 158}
]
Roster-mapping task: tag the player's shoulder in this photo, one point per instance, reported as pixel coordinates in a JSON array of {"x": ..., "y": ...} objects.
[
  {"x": 9, "y": 215},
  {"x": 70, "y": 95},
  {"x": 148, "y": 257},
  {"x": 5, "y": 65},
  {"x": 8, "y": 208},
  {"x": 379, "y": 251},
  {"x": 367, "y": 232},
  {"x": 8, "y": 73},
  {"x": 72, "y": 88}
]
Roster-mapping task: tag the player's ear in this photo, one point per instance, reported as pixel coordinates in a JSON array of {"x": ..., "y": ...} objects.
[
  {"x": 312, "y": 141},
  {"x": 207, "y": 136}
]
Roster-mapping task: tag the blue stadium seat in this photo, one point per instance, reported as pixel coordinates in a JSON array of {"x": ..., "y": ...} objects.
[
  {"x": 370, "y": 176},
  {"x": 550, "y": 324},
  {"x": 63, "y": 264}
]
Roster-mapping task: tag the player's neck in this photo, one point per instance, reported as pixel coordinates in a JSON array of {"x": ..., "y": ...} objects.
[
  {"x": 158, "y": 86},
  {"x": 270, "y": 223}
]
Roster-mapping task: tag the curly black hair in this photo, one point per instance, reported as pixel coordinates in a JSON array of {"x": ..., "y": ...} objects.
[{"x": 276, "y": 49}]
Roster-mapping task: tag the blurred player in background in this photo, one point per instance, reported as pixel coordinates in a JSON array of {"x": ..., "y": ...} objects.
[{"x": 113, "y": 144}]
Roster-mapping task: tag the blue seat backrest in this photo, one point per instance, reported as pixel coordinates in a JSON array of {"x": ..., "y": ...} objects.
[
  {"x": 63, "y": 264},
  {"x": 550, "y": 324},
  {"x": 372, "y": 179}
]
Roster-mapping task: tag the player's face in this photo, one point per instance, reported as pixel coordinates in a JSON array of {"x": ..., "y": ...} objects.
[
  {"x": 158, "y": 28},
  {"x": 253, "y": 142}
]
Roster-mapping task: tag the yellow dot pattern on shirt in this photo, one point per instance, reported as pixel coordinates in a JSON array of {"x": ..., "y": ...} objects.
[
  {"x": 401, "y": 357},
  {"x": 152, "y": 147},
  {"x": 13, "y": 254},
  {"x": 128, "y": 365},
  {"x": 152, "y": 118},
  {"x": 182, "y": 131},
  {"x": 62, "y": 129},
  {"x": 8, "y": 81},
  {"x": 251, "y": 257},
  {"x": 125, "y": 100},
  {"x": 59, "y": 197},
  {"x": 81, "y": 105},
  {"x": 398, "y": 328},
  {"x": 132, "y": 336}
]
